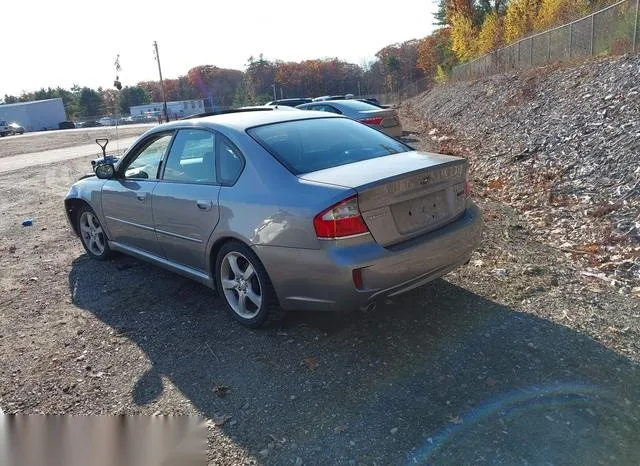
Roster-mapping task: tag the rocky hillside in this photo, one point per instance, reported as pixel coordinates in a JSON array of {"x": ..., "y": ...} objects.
[{"x": 560, "y": 144}]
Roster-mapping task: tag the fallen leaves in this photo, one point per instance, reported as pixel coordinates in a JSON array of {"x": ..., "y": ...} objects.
[
  {"x": 221, "y": 390},
  {"x": 311, "y": 363}
]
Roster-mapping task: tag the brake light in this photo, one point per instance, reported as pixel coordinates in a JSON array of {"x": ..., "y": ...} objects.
[
  {"x": 372, "y": 120},
  {"x": 467, "y": 189},
  {"x": 340, "y": 220}
]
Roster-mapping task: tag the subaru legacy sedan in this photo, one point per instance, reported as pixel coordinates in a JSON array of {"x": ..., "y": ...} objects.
[{"x": 281, "y": 210}]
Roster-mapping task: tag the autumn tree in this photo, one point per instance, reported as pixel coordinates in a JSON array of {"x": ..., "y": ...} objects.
[
  {"x": 519, "y": 19},
  {"x": 131, "y": 96},
  {"x": 490, "y": 35},
  {"x": 463, "y": 37},
  {"x": 552, "y": 12},
  {"x": 90, "y": 102}
]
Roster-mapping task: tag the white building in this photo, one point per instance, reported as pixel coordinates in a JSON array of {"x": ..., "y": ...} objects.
[
  {"x": 35, "y": 116},
  {"x": 177, "y": 109}
]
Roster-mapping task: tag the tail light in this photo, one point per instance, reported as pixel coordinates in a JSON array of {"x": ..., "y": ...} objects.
[
  {"x": 372, "y": 120},
  {"x": 340, "y": 220},
  {"x": 467, "y": 189}
]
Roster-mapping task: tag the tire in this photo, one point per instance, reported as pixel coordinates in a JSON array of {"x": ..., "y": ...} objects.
[
  {"x": 93, "y": 238},
  {"x": 256, "y": 291}
]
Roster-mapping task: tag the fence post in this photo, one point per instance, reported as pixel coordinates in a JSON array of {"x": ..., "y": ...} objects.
[
  {"x": 635, "y": 27},
  {"x": 592, "y": 32},
  {"x": 548, "y": 47},
  {"x": 570, "y": 38},
  {"x": 531, "y": 52}
]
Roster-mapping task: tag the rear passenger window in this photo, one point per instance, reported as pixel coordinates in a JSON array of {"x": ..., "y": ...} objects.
[
  {"x": 231, "y": 162},
  {"x": 192, "y": 157}
]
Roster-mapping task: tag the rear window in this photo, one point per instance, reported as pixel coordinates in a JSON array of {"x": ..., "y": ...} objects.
[
  {"x": 358, "y": 105},
  {"x": 305, "y": 146}
]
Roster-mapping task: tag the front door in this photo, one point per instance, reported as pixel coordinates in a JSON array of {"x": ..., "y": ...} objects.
[
  {"x": 127, "y": 198},
  {"x": 185, "y": 202}
]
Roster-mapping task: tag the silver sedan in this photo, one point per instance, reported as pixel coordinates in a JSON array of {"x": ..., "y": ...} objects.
[
  {"x": 281, "y": 210},
  {"x": 383, "y": 119}
]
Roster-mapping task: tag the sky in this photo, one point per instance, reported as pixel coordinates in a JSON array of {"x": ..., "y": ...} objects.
[{"x": 66, "y": 42}]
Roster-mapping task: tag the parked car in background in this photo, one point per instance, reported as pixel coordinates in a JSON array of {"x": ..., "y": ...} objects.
[
  {"x": 4, "y": 128},
  {"x": 289, "y": 102},
  {"x": 356, "y": 216},
  {"x": 329, "y": 97},
  {"x": 106, "y": 121},
  {"x": 16, "y": 128},
  {"x": 66, "y": 125},
  {"x": 385, "y": 120},
  {"x": 375, "y": 102}
]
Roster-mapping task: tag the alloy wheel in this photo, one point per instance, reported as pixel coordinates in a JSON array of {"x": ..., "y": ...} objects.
[
  {"x": 92, "y": 234},
  {"x": 241, "y": 285}
]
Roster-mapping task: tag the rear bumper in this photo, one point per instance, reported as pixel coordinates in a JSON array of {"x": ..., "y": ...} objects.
[{"x": 321, "y": 279}]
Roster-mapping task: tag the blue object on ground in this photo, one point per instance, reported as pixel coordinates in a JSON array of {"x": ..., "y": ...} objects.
[{"x": 27, "y": 222}]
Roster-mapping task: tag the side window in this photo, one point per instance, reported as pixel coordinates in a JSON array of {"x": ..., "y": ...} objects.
[
  {"x": 145, "y": 164},
  {"x": 231, "y": 162},
  {"x": 192, "y": 158},
  {"x": 332, "y": 109}
]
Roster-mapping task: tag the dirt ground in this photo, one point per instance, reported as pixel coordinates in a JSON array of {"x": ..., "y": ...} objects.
[
  {"x": 513, "y": 359},
  {"x": 48, "y": 140}
]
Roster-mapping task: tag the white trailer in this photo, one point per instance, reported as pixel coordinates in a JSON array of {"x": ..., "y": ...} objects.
[{"x": 35, "y": 116}]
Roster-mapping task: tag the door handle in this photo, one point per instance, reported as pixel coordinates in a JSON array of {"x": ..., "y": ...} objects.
[
  {"x": 204, "y": 205},
  {"x": 141, "y": 196}
]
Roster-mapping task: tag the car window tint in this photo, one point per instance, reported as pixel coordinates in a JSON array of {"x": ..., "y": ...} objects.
[
  {"x": 191, "y": 158},
  {"x": 145, "y": 164},
  {"x": 230, "y": 161},
  {"x": 304, "y": 146}
]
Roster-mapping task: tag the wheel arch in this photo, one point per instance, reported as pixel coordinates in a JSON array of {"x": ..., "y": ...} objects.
[{"x": 71, "y": 207}]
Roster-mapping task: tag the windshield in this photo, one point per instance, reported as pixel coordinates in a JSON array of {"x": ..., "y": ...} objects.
[{"x": 304, "y": 146}]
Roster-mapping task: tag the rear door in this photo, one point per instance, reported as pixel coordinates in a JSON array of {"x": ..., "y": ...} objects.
[
  {"x": 126, "y": 199},
  {"x": 185, "y": 202}
]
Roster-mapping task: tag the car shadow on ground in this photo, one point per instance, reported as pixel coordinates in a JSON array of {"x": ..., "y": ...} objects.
[{"x": 439, "y": 376}]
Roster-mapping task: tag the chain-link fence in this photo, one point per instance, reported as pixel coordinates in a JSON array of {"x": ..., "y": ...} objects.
[
  {"x": 406, "y": 92},
  {"x": 612, "y": 30}
]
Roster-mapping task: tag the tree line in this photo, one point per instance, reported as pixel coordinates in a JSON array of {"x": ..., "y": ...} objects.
[{"x": 466, "y": 29}]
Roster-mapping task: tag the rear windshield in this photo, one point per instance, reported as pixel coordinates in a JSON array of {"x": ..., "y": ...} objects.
[
  {"x": 358, "y": 105},
  {"x": 305, "y": 146}
]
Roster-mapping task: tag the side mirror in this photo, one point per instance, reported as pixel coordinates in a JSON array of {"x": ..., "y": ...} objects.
[{"x": 104, "y": 171}]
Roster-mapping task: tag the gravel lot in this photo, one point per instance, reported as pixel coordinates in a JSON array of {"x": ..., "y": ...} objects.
[{"x": 509, "y": 360}]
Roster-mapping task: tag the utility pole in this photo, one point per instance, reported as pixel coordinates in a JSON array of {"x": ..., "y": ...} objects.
[
  {"x": 274, "y": 91},
  {"x": 164, "y": 97},
  {"x": 281, "y": 94}
]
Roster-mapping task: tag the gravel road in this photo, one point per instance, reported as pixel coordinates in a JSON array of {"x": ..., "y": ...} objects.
[
  {"x": 20, "y": 161},
  {"x": 48, "y": 140},
  {"x": 509, "y": 360}
]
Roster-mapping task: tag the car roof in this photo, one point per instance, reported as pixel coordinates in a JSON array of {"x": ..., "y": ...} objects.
[{"x": 241, "y": 121}]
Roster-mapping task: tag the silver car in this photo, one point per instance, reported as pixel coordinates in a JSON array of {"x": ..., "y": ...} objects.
[
  {"x": 383, "y": 119},
  {"x": 281, "y": 210}
]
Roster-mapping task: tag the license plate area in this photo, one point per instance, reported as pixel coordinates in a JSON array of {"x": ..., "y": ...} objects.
[
  {"x": 388, "y": 122},
  {"x": 424, "y": 212}
]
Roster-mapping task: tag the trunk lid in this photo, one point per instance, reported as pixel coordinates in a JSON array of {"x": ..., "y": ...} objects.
[
  {"x": 389, "y": 116},
  {"x": 403, "y": 195}
]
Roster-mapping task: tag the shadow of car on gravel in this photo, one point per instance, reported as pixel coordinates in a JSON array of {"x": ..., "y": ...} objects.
[{"x": 441, "y": 375}]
